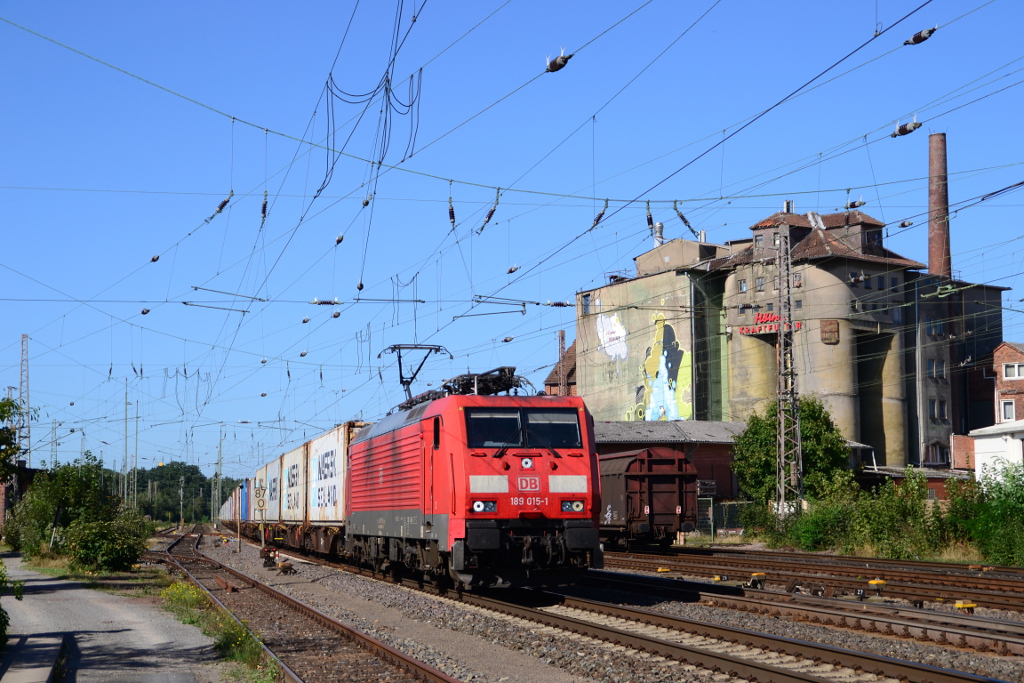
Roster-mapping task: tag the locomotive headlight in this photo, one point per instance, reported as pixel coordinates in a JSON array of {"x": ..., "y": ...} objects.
[
  {"x": 485, "y": 506},
  {"x": 572, "y": 506}
]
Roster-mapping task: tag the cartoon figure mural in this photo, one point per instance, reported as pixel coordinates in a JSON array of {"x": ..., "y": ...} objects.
[{"x": 667, "y": 378}]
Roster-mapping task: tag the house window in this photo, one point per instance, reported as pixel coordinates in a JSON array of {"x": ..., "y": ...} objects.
[
  {"x": 940, "y": 368},
  {"x": 743, "y": 286},
  {"x": 867, "y": 282},
  {"x": 758, "y": 241},
  {"x": 933, "y": 326},
  {"x": 931, "y": 494},
  {"x": 1013, "y": 370},
  {"x": 769, "y": 307},
  {"x": 586, "y": 304},
  {"x": 798, "y": 304},
  {"x": 1008, "y": 411},
  {"x": 933, "y": 407},
  {"x": 798, "y": 279},
  {"x": 894, "y": 283},
  {"x": 881, "y": 282},
  {"x": 743, "y": 309},
  {"x": 942, "y": 410},
  {"x": 775, "y": 240},
  {"x": 760, "y": 284},
  {"x": 931, "y": 367}
]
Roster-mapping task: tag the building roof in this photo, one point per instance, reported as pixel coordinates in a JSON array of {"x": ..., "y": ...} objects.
[
  {"x": 675, "y": 431},
  {"x": 829, "y": 220},
  {"x": 999, "y": 429},
  {"x": 820, "y": 244},
  {"x": 569, "y": 361},
  {"x": 1016, "y": 346},
  {"x": 928, "y": 472}
]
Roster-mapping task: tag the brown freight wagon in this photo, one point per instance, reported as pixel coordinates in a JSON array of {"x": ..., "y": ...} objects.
[{"x": 648, "y": 495}]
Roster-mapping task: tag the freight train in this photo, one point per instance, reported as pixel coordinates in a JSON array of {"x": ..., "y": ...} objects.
[{"x": 461, "y": 486}]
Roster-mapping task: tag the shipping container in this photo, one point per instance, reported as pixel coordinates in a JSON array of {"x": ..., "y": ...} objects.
[
  {"x": 293, "y": 485},
  {"x": 273, "y": 479},
  {"x": 326, "y": 476}
]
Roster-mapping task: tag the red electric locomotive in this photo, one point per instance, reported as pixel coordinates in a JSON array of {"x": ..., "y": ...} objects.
[{"x": 481, "y": 489}]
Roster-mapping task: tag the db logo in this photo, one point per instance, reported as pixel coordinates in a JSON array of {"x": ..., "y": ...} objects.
[{"x": 529, "y": 484}]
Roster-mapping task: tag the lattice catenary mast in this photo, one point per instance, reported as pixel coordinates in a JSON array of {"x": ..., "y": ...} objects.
[
  {"x": 25, "y": 423},
  {"x": 789, "y": 484}
]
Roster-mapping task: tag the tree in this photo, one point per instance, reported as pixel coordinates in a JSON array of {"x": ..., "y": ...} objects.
[
  {"x": 754, "y": 451},
  {"x": 10, "y": 412}
]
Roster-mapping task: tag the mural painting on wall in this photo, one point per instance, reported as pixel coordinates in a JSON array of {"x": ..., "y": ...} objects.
[
  {"x": 612, "y": 335},
  {"x": 667, "y": 377}
]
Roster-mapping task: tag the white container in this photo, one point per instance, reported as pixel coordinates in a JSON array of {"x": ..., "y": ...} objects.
[
  {"x": 273, "y": 475},
  {"x": 294, "y": 478},
  {"x": 326, "y": 477}
]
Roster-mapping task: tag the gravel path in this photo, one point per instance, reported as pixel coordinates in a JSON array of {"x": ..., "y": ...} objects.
[
  {"x": 465, "y": 642},
  {"x": 112, "y": 638}
]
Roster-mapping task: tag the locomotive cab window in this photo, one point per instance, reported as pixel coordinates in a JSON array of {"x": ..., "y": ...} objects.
[
  {"x": 493, "y": 428},
  {"x": 503, "y": 428},
  {"x": 554, "y": 428},
  {"x": 437, "y": 433}
]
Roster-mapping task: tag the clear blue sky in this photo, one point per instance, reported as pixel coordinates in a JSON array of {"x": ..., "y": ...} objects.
[{"x": 101, "y": 171}]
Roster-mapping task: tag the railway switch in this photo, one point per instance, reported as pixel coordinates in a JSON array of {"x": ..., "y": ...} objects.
[
  {"x": 878, "y": 585},
  {"x": 757, "y": 580}
]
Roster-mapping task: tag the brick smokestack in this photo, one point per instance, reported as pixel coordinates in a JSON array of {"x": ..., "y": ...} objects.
[{"x": 939, "y": 262}]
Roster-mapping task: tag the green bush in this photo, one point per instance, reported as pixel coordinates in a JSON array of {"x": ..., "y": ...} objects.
[
  {"x": 999, "y": 526},
  {"x": 113, "y": 546}
]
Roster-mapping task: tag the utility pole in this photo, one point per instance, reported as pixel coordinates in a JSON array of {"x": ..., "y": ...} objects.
[
  {"x": 181, "y": 501},
  {"x": 216, "y": 494},
  {"x": 124, "y": 496},
  {"x": 135, "y": 476},
  {"x": 53, "y": 444},
  {"x": 25, "y": 424},
  {"x": 789, "y": 484},
  {"x": 563, "y": 380}
]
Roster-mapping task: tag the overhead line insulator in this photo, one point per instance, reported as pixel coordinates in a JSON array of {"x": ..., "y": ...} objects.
[{"x": 921, "y": 36}]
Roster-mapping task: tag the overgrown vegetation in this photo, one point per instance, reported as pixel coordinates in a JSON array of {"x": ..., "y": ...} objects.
[
  {"x": 9, "y": 413},
  {"x": 69, "y": 512},
  {"x": 980, "y": 521},
  {"x": 231, "y": 639}
]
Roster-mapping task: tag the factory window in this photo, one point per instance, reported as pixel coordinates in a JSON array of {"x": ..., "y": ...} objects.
[
  {"x": 931, "y": 494},
  {"x": 942, "y": 410},
  {"x": 894, "y": 282},
  {"x": 743, "y": 286},
  {"x": 798, "y": 304},
  {"x": 1009, "y": 411},
  {"x": 798, "y": 279},
  {"x": 586, "y": 304},
  {"x": 760, "y": 284},
  {"x": 931, "y": 367},
  {"x": 871, "y": 237},
  {"x": 867, "y": 282},
  {"x": 932, "y": 408},
  {"x": 775, "y": 240},
  {"x": 743, "y": 309},
  {"x": 769, "y": 307},
  {"x": 881, "y": 282},
  {"x": 853, "y": 305},
  {"x": 934, "y": 326},
  {"x": 1013, "y": 370},
  {"x": 758, "y": 241},
  {"x": 940, "y": 368}
]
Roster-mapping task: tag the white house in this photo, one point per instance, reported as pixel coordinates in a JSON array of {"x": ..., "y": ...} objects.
[{"x": 997, "y": 446}]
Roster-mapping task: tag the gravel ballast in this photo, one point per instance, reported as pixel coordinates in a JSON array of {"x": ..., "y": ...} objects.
[{"x": 473, "y": 645}]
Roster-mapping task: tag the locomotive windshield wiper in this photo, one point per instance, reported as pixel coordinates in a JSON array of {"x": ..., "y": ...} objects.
[
  {"x": 500, "y": 453},
  {"x": 530, "y": 436}
]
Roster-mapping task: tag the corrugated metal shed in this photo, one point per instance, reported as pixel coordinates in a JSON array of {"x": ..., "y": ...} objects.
[{"x": 676, "y": 431}]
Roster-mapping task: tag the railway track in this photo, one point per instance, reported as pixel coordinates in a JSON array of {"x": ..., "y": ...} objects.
[
  {"x": 307, "y": 644},
  {"x": 914, "y": 585},
  {"x": 959, "y": 630},
  {"x": 698, "y": 644}
]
